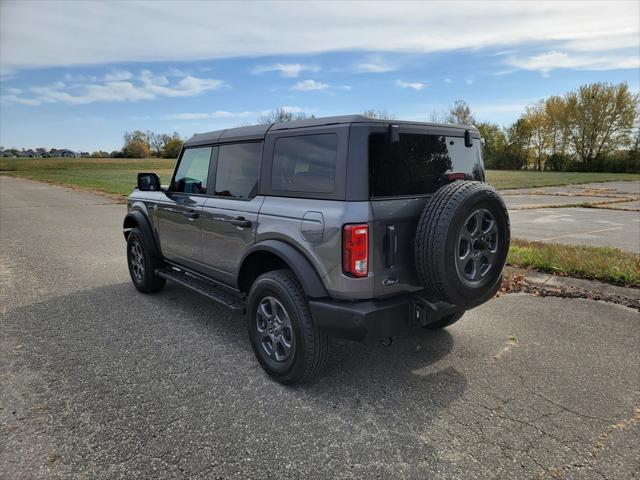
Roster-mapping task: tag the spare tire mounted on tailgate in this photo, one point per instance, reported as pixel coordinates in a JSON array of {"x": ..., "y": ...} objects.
[{"x": 461, "y": 243}]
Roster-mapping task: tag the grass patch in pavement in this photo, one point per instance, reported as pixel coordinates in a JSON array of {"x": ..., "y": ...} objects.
[
  {"x": 595, "y": 263},
  {"x": 508, "y": 179}
]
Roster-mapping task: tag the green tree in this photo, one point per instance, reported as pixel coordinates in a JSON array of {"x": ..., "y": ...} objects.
[
  {"x": 460, "y": 114},
  {"x": 494, "y": 144},
  {"x": 518, "y": 146},
  {"x": 599, "y": 119}
]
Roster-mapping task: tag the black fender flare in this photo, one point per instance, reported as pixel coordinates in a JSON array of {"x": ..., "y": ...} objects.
[
  {"x": 145, "y": 225},
  {"x": 296, "y": 261}
]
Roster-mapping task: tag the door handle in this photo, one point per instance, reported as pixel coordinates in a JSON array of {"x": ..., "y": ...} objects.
[
  {"x": 240, "y": 222},
  {"x": 191, "y": 215},
  {"x": 390, "y": 246}
]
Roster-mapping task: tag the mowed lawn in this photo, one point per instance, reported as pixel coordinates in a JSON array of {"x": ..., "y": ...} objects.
[
  {"x": 112, "y": 175},
  {"x": 506, "y": 179},
  {"x": 118, "y": 175}
]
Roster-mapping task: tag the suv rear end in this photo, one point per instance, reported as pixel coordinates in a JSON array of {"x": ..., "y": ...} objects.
[{"x": 396, "y": 168}]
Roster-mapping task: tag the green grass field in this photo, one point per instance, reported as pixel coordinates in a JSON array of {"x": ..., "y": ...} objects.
[
  {"x": 111, "y": 175},
  {"x": 118, "y": 175},
  {"x": 506, "y": 179}
]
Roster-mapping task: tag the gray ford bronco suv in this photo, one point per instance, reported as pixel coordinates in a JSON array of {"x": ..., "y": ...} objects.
[{"x": 343, "y": 226}]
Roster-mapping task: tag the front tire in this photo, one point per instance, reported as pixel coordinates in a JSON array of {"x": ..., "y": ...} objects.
[
  {"x": 143, "y": 264},
  {"x": 284, "y": 338}
]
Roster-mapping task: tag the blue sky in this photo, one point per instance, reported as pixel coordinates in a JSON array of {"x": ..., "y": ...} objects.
[{"x": 93, "y": 70}]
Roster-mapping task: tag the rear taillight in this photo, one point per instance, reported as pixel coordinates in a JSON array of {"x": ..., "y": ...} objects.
[{"x": 355, "y": 250}]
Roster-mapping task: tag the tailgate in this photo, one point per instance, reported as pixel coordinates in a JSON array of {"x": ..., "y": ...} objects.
[{"x": 394, "y": 227}]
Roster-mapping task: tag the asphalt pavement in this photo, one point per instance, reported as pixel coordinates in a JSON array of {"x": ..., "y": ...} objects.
[
  {"x": 100, "y": 381},
  {"x": 594, "y": 214}
]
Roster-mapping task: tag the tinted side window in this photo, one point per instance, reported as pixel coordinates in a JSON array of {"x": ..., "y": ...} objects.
[
  {"x": 305, "y": 163},
  {"x": 415, "y": 165},
  {"x": 238, "y": 169},
  {"x": 193, "y": 170}
]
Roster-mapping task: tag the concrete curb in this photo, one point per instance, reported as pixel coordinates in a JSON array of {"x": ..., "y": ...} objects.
[{"x": 548, "y": 280}]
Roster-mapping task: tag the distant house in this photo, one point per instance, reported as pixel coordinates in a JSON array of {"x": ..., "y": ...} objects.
[
  {"x": 64, "y": 153},
  {"x": 30, "y": 153}
]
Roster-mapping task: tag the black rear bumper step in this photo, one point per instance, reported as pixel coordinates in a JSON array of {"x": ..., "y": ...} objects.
[
  {"x": 182, "y": 277},
  {"x": 369, "y": 321}
]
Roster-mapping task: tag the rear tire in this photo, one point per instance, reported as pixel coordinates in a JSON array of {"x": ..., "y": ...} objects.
[
  {"x": 284, "y": 338},
  {"x": 143, "y": 264}
]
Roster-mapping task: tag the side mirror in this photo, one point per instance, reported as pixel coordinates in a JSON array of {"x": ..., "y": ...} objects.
[
  {"x": 394, "y": 134},
  {"x": 148, "y": 182}
]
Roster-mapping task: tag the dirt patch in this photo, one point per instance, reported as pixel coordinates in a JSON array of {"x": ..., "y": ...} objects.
[{"x": 515, "y": 281}]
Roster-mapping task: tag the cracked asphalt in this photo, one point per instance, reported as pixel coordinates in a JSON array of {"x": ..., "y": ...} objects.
[{"x": 99, "y": 381}]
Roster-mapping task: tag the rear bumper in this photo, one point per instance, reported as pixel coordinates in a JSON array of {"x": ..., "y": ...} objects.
[{"x": 373, "y": 320}]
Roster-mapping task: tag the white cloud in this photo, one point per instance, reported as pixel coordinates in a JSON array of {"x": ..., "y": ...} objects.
[
  {"x": 118, "y": 76},
  {"x": 417, "y": 86},
  {"x": 553, "y": 60},
  {"x": 470, "y": 80},
  {"x": 208, "y": 115},
  {"x": 374, "y": 64},
  {"x": 72, "y": 33},
  {"x": 13, "y": 99},
  {"x": 448, "y": 80},
  {"x": 285, "y": 69},
  {"x": 146, "y": 86},
  {"x": 309, "y": 85}
]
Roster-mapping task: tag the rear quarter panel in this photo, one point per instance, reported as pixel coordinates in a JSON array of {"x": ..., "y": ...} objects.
[{"x": 284, "y": 219}]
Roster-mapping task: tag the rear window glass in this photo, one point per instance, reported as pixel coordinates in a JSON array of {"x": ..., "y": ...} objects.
[
  {"x": 305, "y": 163},
  {"x": 415, "y": 166}
]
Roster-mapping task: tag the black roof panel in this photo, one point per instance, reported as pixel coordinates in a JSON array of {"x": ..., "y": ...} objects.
[{"x": 257, "y": 132}]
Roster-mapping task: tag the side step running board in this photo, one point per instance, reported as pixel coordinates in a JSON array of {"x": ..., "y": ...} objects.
[{"x": 234, "y": 302}]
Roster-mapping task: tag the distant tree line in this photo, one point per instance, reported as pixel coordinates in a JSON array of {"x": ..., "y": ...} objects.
[
  {"x": 595, "y": 128},
  {"x": 139, "y": 144}
]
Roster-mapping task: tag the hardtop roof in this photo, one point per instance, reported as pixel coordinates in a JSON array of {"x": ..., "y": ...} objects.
[{"x": 257, "y": 132}]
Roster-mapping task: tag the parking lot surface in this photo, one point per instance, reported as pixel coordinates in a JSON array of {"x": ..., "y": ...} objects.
[
  {"x": 100, "y": 381},
  {"x": 612, "y": 219},
  {"x": 583, "y": 226}
]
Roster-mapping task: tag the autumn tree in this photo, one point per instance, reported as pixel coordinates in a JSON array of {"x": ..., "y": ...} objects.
[
  {"x": 538, "y": 130},
  {"x": 172, "y": 145},
  {"x": 599, "y": 119},
  {"x": 460, "y": 114},
  {"x": 378, "y": 113},
  {"x": 282, "y": 114},
  {"x": 136, "y": 144},
  {"x": 555, "y": 109}
]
